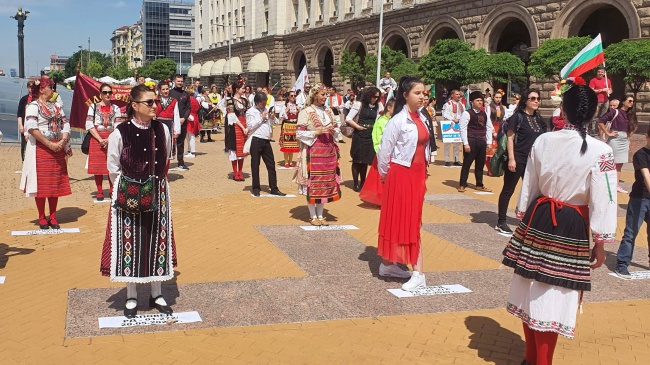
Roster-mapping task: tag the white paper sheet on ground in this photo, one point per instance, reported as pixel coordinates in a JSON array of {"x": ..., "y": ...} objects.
[
  {"x": 101, "y": 201},
  {"x": 286, "y": 168},
  {"x": 2, "y": 279},
  {"x": 332, "y": 227},
  {"x": 45, "y": 231},
  {"x": 635, "y": 275},
  {"x": 483, "y": 193},
  {"x": 19, "y": 171},
  {"x": 149, "y": 319},
  {"x": 430, "y": 290},
  {"x": 274, "y": 196}
]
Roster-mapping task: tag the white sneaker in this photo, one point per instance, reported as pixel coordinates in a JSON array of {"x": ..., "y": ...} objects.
[
  {"x": 189, "y": 155},
  {"x": 621, "y": 190},
  {"x": 416, "y": 282},
  {"x": 393, "y": 271}
]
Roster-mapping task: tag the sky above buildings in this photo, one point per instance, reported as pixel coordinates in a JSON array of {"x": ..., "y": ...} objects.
[{"x": 60, "y": 27}]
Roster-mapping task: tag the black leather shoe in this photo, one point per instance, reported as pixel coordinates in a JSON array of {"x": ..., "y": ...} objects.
[
  {"x": 256, "y": 193},
  {"x": 356, "y": 188},
  {"x": 130, "y": 313},
  {"x": 164, "y": 309},
  {"x": 278, "y": 193},
  {"x": 447, "y": 164},
  {"x": 54, "y": 224},
  {"x": 43, "y": 224}
]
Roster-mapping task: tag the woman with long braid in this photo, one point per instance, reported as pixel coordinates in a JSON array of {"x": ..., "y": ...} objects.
[{"x": 569, "y": 189}]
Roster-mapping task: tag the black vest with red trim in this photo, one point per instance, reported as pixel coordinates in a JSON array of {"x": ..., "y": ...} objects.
[{"x": 477, "y": 124}]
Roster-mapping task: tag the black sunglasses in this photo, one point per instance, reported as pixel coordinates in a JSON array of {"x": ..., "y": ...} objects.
[
  {"x": 149, "y": 102},
  {"x": 630, "y": 101},
  {"x": 107, "y": 93}
]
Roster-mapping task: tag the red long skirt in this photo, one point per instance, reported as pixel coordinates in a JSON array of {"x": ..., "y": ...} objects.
[
  {"x": 240, "y": 138},
  {"x": 97, "y": 155},
  {"x": 372, "y": 188},
  {"x": 401, "y": 213},
  {"x": 52, "y": 172}
]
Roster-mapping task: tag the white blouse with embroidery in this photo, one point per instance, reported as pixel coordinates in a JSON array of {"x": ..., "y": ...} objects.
[
  {"x": 556, "y": 169},
  {"x": 95, "y": 118}
]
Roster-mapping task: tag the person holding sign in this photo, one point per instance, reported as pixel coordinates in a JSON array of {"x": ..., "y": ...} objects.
[
  {"x": 102, "y": 119},
  {"x": 476, "y": 132},
  {"x": 451, "y": 111},
  {"x": 139, "y": 246},
  {"x": 402, "y": 162}
]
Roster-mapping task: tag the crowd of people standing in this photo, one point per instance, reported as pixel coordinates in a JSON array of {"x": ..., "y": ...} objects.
[{"x": 569, "y": 179}]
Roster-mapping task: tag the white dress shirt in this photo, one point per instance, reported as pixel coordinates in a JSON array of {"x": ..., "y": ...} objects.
[
  {"x": 464, "y": 122},
  {"x": 258, "y": 127}
]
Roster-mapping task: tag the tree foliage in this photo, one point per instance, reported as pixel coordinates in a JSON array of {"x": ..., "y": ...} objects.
[
  {"x": 57, "y": 76},
  {"x": 351, "y": 67},
  {"x": 103, "y": 60},
  {"x": 394, "y": 61},
  {"x": 160, "y": 69},
  {"x": 496, "y": 68},
  {"x": 448, "y": 61},
  {"x": 94, "y": 69},
  {"x": 547, "y": 61},
  {"x": 631, "y": 60},
  {"x": 120, "y": 70}
]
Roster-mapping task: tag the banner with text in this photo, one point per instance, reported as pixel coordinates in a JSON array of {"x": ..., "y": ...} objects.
[
  {"x": 86, "y": 93},
  {"x": 450, "y": 131}
]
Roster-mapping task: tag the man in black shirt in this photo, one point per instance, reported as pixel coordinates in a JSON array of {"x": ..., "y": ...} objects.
[
  {"x": 183, "y": 101},
  {"x": 20, "y": 117},
  {"x": 638, "y": 209}
]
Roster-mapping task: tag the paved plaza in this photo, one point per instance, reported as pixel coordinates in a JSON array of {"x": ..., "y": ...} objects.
[{"x": 269, "y": 292}]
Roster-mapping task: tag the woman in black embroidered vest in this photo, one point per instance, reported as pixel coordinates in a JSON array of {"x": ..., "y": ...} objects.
[
  {"x": 140, "y": 247},
  {"x": 524, "y": 126},
  {"x": 362, "y": 149}
]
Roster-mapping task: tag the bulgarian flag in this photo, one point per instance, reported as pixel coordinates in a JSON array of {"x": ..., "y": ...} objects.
[{"x": 589, "y": 58}]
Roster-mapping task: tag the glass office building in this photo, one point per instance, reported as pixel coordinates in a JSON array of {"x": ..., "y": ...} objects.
[{"x": 168, "y": 31}]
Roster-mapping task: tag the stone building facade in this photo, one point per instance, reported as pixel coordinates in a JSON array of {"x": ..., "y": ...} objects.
[{"x": 314, "y": 35}]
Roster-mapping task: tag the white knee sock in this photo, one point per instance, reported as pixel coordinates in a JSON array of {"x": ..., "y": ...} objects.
[
  {"x": 156, "y": 291},
  {"x": 312, "y": 210},
  {"x": 319, "y": 210},
  {"x": 131, "y": 293}
]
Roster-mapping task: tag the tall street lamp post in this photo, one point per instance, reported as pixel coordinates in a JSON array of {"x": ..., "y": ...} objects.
[{"x": 21, "y": 16}]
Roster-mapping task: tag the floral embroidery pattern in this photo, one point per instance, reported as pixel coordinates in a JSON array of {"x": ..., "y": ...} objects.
[
  {"x": 542, "y": 326},
  {"x": 604, "y": 237}
]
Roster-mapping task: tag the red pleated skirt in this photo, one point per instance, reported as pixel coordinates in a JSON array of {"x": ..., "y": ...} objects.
[
  {"x": 401, "y": 213},
  {"x": 52, "y": 172},
  {"x": 240, "y": 138},
  {"x": 372, "y": 188},
  {"x": 97, "y": 155}
]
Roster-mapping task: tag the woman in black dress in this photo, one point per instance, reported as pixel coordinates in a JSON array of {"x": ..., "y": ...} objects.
[{"x": 362, "y": 118}]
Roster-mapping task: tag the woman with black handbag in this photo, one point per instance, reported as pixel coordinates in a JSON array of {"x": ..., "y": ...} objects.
[
  {"x": 102, "y": 119},
  {"x": 139, "y": 245}
]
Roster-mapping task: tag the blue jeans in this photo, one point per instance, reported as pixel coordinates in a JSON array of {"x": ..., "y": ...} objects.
[{"x": 638, "y": 210}]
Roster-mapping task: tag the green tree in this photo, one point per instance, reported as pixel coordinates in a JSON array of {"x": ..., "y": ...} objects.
[
  {"x": 394, "y": 61},
  {"x": 160, "y": 69},
  {"x": 70, "y": 68},
  {"x": 57, "y": 76},
  {"x": 448, "y": 62},
  {"x": 547, "y": 61},
  {"x": 351, "y": 68},
  {"x": 94, "y": 69},
  {"x": 631, "y": 60},
  {"x": 497, "y": 67},
  {"x": 120, "y": 70}
]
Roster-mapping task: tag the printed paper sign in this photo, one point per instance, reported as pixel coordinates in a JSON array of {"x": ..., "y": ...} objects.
[
  {"x": 329, "y": 228},
  {"x": 450, "y": 131},
  {"x": 2, "y": 279},
  {"x": 483, "y": 193},
  {"x": 430, "y": 290},
  {"x": 149, "y": 319},
  {"x": 635, "y": 275},
  {"x": 273, "y": 196},
  {"x": 101, "y": 201},
  {"x": 286, "y": 168},
  {"x": 44, "y": 231}
]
